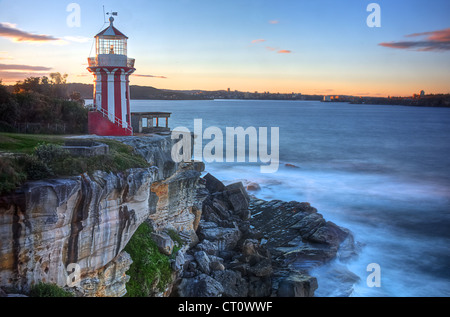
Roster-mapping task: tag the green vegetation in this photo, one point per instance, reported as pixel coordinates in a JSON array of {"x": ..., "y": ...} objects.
[
  {"x": 26, "y": 143},
  {"x": 150, "y": 270},
  {"x": 36, "y": 157},
  {"x": 48, "y": 290},
  {"x": 42, "y": 105},
  {"x": 178, "y": 242}
]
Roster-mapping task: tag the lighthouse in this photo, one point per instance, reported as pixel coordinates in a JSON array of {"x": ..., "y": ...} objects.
[{"x": 111, "y": 68}]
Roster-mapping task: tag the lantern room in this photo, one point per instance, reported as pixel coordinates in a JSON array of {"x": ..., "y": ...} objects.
[{"x": 111, "y": 41}]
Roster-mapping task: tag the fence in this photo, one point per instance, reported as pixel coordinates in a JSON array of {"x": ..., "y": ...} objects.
[{"x": 41, "y": 128}]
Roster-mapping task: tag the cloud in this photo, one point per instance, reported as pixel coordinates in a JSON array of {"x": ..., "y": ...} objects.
[
  {"x": 431, "y": 41},
  {"x": 10, "y": 30},
  {"x": 149, "y": 76},
  {"x": 23, "y": 67},
  {"x": 12, "y": 77},
  {"x": 258, "y": 41},
  {"x": 270, "y": 48},
  {"x": 5, "y": 56},
  {"x": 284, "y": 52},
  {"x": 274, "y": 21}
]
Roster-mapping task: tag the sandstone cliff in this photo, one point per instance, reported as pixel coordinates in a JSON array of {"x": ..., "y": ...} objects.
[{"x": 72, "y": 231}]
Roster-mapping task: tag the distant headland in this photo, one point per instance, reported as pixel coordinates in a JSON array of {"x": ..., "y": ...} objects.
[{"x": 151, "y": 93}]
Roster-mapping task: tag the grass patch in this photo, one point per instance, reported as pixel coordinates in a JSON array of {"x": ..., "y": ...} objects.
[
  {"x": 48, "y": 290},
  {"x": 41, "y": 156},
  {"x": 150, "y": 270},
  {"x": 26, "y": 143}
]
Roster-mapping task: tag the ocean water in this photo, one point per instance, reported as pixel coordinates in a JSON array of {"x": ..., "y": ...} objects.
[{"x": 381, "y": 171}]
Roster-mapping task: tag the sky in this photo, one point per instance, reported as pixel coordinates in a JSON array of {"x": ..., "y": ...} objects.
[{"x": 300, "y": 46}]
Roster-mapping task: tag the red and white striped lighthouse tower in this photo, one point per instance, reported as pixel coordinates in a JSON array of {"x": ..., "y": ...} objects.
[{"x": 111, "y": 69}]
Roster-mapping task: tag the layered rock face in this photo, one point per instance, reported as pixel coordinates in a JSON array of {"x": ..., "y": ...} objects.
[{"x": 71, "y": 232}]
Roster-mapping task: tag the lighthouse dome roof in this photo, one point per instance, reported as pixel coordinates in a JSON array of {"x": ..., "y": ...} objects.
[{"x": 111, "y": 31}]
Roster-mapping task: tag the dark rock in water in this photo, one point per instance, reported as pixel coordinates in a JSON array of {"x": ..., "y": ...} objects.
[
  {"x": 253, "y": 187},
  {"x": 299, "y": 240},
  {"x": 330, "y": 234},
  {"x": 213, "y": 185},
  {"x": 297, "y": 285},
  {"x": 336, "y": 280}
]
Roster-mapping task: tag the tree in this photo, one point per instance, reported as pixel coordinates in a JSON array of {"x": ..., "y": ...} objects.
[
  {"x": 59, "y": 86},
  {"x": 76, "y": 96},
  {"x": 8, "y": 106}
]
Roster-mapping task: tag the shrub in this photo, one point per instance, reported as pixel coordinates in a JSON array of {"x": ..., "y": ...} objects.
[
  {"x": 49, "y": 153},
  {"x": 10, "y": 177},
  {"x": 150, "y": 270},
  {"x": 34, "y": 168},
  {"x": 48, "y": 290}
]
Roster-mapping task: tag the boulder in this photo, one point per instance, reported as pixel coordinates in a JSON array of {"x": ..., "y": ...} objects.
[
  {"x": 200, "y": 286},
  {"x": 213, "y": 185},
  {"x": 203, "y": 261},
  {"x": 329, "y": 233},
  {"x": 224, "y": 238},
  {"x": 207, "y": 246},
  {"x": 164, "y": 242},
  {"x": 239, "y": 199},
  {"x": 234, "y": 285},
  {"x": 253, "y": 187},
  {"x": 297, "y": 285},
  {"x": 216, "y": 266}
]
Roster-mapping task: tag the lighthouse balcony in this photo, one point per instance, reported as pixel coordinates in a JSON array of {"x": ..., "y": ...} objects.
[{"x": 113, "y": 60}]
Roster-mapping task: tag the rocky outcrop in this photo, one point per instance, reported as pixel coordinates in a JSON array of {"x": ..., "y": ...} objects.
[
  {"x": 299, "y": 239},
  {"x": 229, "y": 259},
  {"x": 71, "y": 232}
]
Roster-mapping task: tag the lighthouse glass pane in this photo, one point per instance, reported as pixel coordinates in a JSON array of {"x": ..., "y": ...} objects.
[{"x": 111, "y": 46}]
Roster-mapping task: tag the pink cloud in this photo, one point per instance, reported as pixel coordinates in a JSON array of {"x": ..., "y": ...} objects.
[
  {"x": 284, "y": 52},
  {"x": 9, "y": 30},
  {"x": 23, "y": 67},
  {"x": 432, "y": 41},
  {"x": 258, "y": 41},
  {"x": 274, "y": 21},
  {"x": 149, "y": 76}
]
